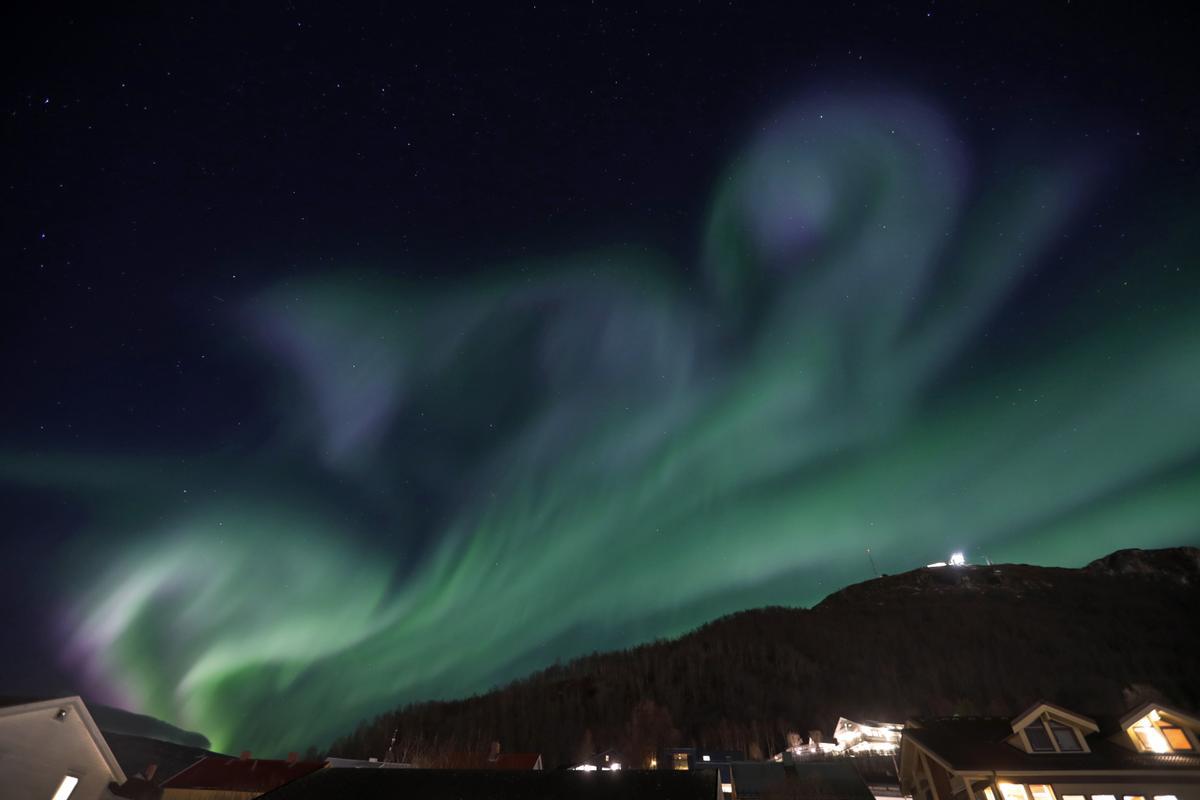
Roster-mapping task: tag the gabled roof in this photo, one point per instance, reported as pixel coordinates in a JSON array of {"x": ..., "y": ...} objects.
[
  {"x": 240, "y": 774},
  {"x": 449, "y": 784},
  {"x": 12, "y": 707},
  {"x": 1037, "y": 709},
  {"x": 971, "y": 744},
  {"x": 1145, "y": 708}
]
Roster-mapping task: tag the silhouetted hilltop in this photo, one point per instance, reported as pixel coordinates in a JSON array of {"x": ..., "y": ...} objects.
[{"x": 933, "y": 641}]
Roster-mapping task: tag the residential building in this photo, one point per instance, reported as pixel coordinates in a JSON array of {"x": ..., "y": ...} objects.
[
  {"x": 52, "y": 750},
  {"x": 1052, "y": 753},
  {"x": 605, "y": 761}
]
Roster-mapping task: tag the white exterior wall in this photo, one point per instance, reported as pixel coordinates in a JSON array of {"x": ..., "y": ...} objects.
[{"x": 37, "y": 751}]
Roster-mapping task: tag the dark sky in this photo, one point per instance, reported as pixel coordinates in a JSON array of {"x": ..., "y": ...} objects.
[{"x": 437, "y": 305}]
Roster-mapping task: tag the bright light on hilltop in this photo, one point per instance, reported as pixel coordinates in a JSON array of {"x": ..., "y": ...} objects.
[{"x": 957, "y": 560}]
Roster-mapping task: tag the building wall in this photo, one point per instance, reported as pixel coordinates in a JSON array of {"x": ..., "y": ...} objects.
[
  {"x": 37, "y": 750},
  {"x": 1133, "y": 785}
]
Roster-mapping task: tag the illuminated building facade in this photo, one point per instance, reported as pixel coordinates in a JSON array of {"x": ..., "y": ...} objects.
[{"x": 1052, "y": 753}]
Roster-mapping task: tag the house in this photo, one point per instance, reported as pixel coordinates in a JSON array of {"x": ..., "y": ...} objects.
[
  {"x": 607, "y": 760},
  {"x": 52, "y": 750},
  {"x": 684, "y": 758},
  {"x": 444, "y": 784},
  {"x": 850, "y": 738},
  {"x": 690, "y": 758},
  {"x": 835, "y": 779},
  {"x": 227, "y": 778},
  {"x": 870, "y": 737},
  {"x": 1052, "y": 753}
]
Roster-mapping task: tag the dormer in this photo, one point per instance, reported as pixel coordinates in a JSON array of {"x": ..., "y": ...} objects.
[
  {"x": 1155, "y": 728},
  {"x": 1048, "y": 729}
]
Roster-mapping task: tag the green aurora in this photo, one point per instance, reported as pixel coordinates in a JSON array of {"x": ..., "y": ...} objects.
[{"x": 469, "y": 480}]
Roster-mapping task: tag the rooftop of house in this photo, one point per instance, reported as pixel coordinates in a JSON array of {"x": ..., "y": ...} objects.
[
  {"x": 970, "y": 743},
  {"x": 244, "y": 774},
  {"x": 437, "y": 784},
  {"x": 819, "y": 778}
]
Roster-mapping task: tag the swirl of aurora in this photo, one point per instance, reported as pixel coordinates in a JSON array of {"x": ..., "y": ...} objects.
[{"x": 471, "y": 479}]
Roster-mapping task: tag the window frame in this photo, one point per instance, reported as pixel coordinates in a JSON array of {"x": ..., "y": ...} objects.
[{"x": 1044, "y": 721}]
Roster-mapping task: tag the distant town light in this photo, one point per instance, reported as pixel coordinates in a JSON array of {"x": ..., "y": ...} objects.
[
  {"x": 706, "y": 758},
  {"x": 585, "y": 768},
  {"x": 615, "y": 765},
  {"x": 66, "y": 787},
  {"x": 957, "y": 560}
]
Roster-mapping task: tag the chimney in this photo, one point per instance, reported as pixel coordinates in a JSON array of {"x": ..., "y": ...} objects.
[
  {"x": 245, "y": 755},
  {"x": 293, "y": 757},
  {"x": 494, "y": 753},
  {"x": 149, "y": 771}
]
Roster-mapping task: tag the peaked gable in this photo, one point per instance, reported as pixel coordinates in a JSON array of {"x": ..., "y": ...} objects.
[{"x": 73, "y": 704}]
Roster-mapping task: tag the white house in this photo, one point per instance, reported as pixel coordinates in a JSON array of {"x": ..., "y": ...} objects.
[{"x": 52, "y": 750}]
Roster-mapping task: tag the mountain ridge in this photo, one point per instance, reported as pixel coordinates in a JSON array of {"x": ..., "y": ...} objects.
[{"x": 930, "y": 640}]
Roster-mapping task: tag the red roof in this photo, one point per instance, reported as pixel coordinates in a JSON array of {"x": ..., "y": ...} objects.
[{"x": 240, "y": 774}]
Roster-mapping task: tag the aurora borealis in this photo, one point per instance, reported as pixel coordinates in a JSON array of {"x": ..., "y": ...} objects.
[{"x": 884, "y": 336}]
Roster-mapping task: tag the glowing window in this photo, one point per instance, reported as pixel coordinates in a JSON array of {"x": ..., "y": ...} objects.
[
  {"x": 679, "y": 760},
  {"x": 66, "y": 787},
  {"x": 1013, "y": 791},
  {"x": 1103, "y": 797},
  {"x": 1164, "y": 797},
  {"x": 1134, "y": 797},
  {"x": 1157, "y": 735},
  {"x": 1176, "y": 738},
  {"x": 1041, "y": 791},
  {"x": 1073, "y": 797},
  {"x": 988, "y": 793}
]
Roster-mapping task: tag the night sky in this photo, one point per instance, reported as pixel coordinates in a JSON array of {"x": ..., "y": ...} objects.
[{"x": 357, "y": 357}]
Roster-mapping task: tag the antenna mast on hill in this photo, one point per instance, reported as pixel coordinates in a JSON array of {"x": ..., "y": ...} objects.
[
  {"x": 390, "y": 756},
  {"x": 871, "y": 558}
]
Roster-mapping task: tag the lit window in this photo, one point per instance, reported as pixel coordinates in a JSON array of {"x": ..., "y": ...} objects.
[
  {"x": 1041, "y": 791},
  {"x": 707, "y": 758},
  {"x": 1073, "y": 797},
  {"x": 1157, "y": 735},
  {"x": 727, "y": 788},
  {"x": 1176, "y": 738},
  {"x": 988, "y": 793},
  {"x": 1134, "y": 797},
  {"x": 1164, "y": 797},
  {"x": 1103, "y": 797},
  {"x": 66, "y": 787},
  {"x": 1013, "y": 791},
  {"x": 1064, "y": 736},
  {"x": 679, "y": 760}
]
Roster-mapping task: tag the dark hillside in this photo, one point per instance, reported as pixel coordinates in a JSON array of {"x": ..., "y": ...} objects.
[{"x": 970, "y": 640}]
